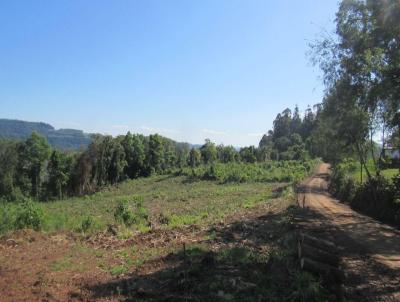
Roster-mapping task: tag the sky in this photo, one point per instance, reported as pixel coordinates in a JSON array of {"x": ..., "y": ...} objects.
[{"x": 189, "y": 70}]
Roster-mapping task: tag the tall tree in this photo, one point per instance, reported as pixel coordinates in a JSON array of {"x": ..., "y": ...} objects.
[
  {"x": 58, "y": 174},
  {"x": 208, "y": 152},
  {"x": 194, "y": 158},
  {"x": 34, "y": 155},
  {"x": 155, "y": 153}
]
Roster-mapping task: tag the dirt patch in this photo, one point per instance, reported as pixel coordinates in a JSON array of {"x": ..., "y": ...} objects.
[
  {"x": 193, "y": 263},
  {"x": 370, "y": 250}
]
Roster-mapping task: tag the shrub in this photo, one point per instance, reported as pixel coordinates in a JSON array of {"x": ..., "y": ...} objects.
[
  {"x": 130, "y": 213},
  {"x": 7, "y": 217},
  {"x": 87, "y": 222},
  {"x": 274, "y": 171},
  {"x": 378, "y": 196},
  {"x": 28, "y": 215}
]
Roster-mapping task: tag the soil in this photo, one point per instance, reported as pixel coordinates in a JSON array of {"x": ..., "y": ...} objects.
[
  {"x": 370, "y": 250},
  {"x": 72, "y": 267}
]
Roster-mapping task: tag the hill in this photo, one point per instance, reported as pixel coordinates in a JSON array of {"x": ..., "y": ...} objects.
[{"x": 61, "y": 138}]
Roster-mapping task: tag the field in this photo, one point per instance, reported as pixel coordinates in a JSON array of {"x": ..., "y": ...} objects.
[
  {"x": 162, "y": 238},
  {"x": 184, "y": 197}
]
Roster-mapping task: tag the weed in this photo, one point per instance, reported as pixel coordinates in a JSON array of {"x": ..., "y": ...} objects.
[
  {"x": 86, "y": 223},
  {"x": 118, "y": 270}
]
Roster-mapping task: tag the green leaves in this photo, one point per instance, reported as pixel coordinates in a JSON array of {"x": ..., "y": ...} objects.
[{"x": 28, "y": 215}]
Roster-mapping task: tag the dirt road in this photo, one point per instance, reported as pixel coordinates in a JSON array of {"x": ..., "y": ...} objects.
[{"x": 370, "y": 250}]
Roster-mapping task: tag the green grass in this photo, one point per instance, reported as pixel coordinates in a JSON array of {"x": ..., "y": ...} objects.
[
  {"x": 178, "y": 201},
  {"x": 356, "y": 172}
]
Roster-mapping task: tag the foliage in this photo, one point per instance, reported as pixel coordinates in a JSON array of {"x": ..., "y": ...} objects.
[
  {"x": 376, "y": 196},
  {"x": 86, "y": 223},
  {"x": 131, "y": 213},
  {"x": 360, "y": 66},
  {"x": 287, "y": 139},
  {"x": 282, "y": 171},
  {"x": 28, "y": 215},
  {"x": 208, "y": 152}
]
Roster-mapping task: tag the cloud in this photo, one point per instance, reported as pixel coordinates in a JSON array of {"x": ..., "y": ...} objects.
[
  {"x": 214, "y": 132},
  {"x": 158, "y": 130}
]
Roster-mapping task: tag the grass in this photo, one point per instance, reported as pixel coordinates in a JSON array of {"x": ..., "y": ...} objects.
[
  {"x": 168, "y": 201},
  {"x": 387, "y": 173}
]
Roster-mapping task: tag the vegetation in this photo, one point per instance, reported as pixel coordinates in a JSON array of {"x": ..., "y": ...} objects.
[
  {"x": 166, "y": 201},
  {"x": 346, "y": 185},
  {"x": 32, "y": 168},
  {"x": 360, "y": 65},
  {"x": 273, "y": 171}
]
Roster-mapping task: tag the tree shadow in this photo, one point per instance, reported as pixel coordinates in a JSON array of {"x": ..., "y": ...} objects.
[{"x": 367, "y": 278}]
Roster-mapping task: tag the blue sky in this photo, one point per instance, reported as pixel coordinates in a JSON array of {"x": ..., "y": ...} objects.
[{"x": 189, "y": 70}]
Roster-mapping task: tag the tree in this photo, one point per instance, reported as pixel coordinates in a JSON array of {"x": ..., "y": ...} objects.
[
  {"x": 296, "y": 122},
  {"x": 81, "y": 180},
  {"x": 282, "y": 124},
  {"x": 8, "y": 168},
  {"x": 208, "y": 152},
  {"x": 154, "y": 154},
  {"x": 194, "y": 158},
  {"x": 117, "y": 163},
  {"x": 226, "y": 154},
  {"x": 134, "y": 154},
  {"x": 58, "y": 174},
  {"x": 361, "y": 67},
  {"x": 33, "y": 157},
  {"x": 248, "y": 154}
]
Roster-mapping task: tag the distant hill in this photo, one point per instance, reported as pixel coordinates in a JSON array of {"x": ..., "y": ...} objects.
[{"x": 62, "y": 138}]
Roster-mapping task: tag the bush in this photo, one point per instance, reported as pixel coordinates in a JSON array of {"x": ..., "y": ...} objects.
[
  {"x": 131, "y": 213},
  {"x": 7, "y": 217},
  {"x": 28, "y": 215},
  {"x": 377, "y": 197}
]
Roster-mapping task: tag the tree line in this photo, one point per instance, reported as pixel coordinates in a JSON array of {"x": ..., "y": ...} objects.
[
  {"x": 291, "y": 136},
  {"x": 33, "y": 169}
]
